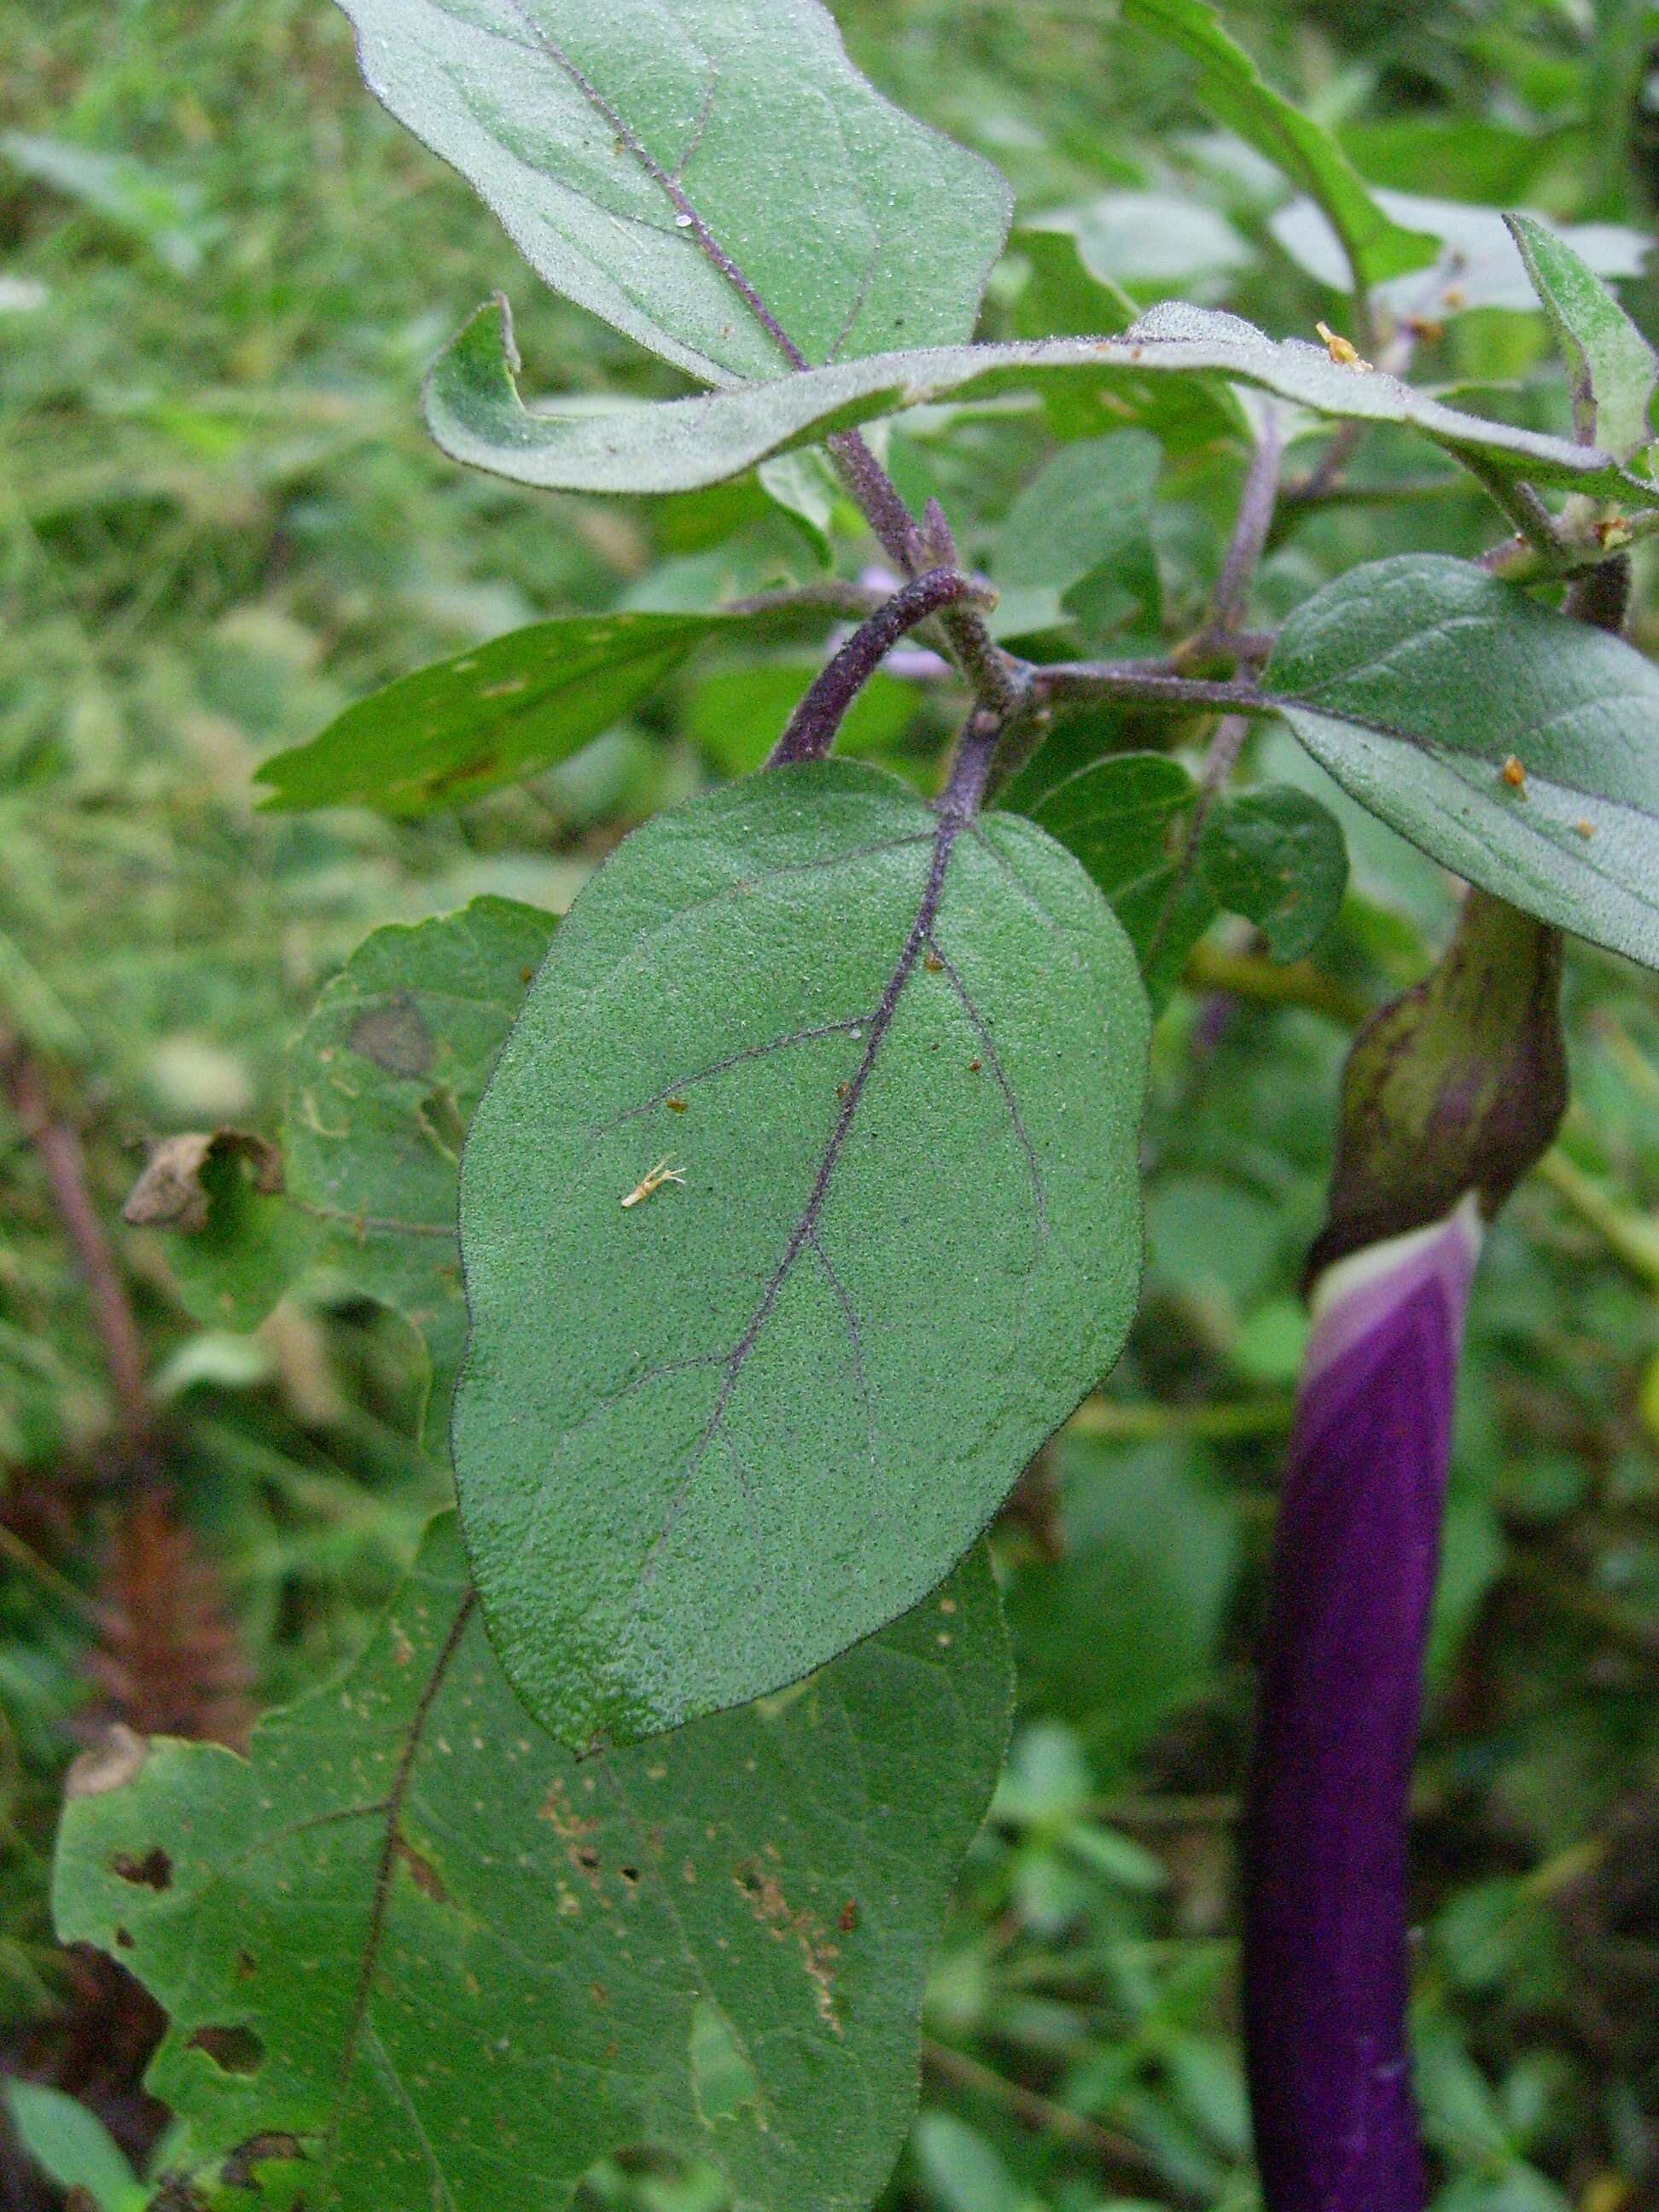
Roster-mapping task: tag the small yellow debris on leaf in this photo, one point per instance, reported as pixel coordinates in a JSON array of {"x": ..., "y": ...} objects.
[
  {"x": 653, "y": 1180},
  {"x": 1343, "y": 351}
]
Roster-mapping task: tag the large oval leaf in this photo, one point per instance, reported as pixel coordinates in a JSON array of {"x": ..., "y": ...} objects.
[
  {"x": 1515, "y": 745},
  {"x": 896, "y": 1061},
  {"x": 409, "y": 1948},
  {"x": 631, "y": 147}
]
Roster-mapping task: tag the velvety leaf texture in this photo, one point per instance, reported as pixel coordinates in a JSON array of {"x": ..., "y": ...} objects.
[
  {"x": 1515, "y": 745},
  {"x": 894, "y": 1063},
  {"x": 382, "y": 1084},
  {"x": 475, "y": 414},
  {"x": 1278, "y": 857},
  {"x": 1611, "y": 368},
  {"x": 624, "y": 142},
  {"x": 414, "y": 1955},
  {"x": 490, "y": 716}
]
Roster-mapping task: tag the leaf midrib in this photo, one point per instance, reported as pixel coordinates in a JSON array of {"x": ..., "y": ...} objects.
[
  {"x": 950, "y": 827},
  {"x": 724, "y": 263}
]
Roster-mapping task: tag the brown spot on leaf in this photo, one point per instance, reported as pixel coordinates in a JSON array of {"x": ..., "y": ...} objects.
[
  {"x": 444, "y": 780},
  {"x": 234, "y": 2050},
  {"x": 422, "y": 1871},
  {"x": 393, "y": 1036},
  {"x": 773, "y": 1910},
  {"x": 152, "y": 1871},
  {"x": 238, "y": 2168}
]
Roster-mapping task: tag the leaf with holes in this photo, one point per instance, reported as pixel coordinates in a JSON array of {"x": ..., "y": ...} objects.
[
  {"x": 410, "y": 1946},
  {"x": 382, "y": 1084},
  {"x": 801, "y": 1208},
  {"x": 712, "y": 178},
  {"x": 474, "y": 409},
  {"x": 1513, "y": 745}
]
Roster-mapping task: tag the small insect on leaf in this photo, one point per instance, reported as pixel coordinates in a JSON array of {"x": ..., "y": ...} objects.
[
  {"x": 1514, "y": 774},
  {"x": 652, "y": 1180},
  {"x": 1343, "y": 351}
]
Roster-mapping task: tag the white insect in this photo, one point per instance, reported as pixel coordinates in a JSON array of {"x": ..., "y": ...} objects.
[{"x": 654, "y": 1180}]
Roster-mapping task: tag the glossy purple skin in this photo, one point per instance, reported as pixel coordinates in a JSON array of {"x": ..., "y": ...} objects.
[{"x": 1325, "y": 1954}]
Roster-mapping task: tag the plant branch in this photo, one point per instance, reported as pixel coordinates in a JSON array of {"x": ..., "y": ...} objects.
[
  {"x": 1220, "y": 758},
  {"x": 1246, "y": 975},
  {"x": 1256, "y": 505},
  {"x": 812, "y": 728},
  {"x": 1084, "y": 683},
  {"x": 995, "y": 676},
  {"x": 1120, "y": 2156},
  {"x": 57, "y": 1147},
  {"x": 836, "y": 595}
]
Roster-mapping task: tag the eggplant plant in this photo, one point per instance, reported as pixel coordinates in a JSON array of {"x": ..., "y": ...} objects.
[{"x": 763, "y": 1216}]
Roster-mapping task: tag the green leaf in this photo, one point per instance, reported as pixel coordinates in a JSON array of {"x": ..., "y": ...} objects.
[
  {"x": 1478, "y": 265},
  {"x": 1076, "y": 546},
  {"x": 381, "y": 1084},
  {"x": 1417, "y": 681},
  {"x": 737, "y": 716},
  {"x": 1127, "y": 819},
  {"x": 236, "y": 1244},
  {"x": 72, "y": 2147},
  {"x": 500, "y": 711},
  {"x": 962, "y": 2170},
  {"x": 136, "y": 199},
  {"x": 475, "y": 414},
  {"x": 1156, "y": 242},
  {"x": 897, "y": 1060},
  {"x": 1611, "y": 368},
  {"x": 627, "y": 147},
  {"x": 1233, "y": 89},
  {"x": 1123, "y": 1631},
  {"x": 1064, "y": 296},
  {"x": 1277, "y": 856},
  {"x": 410, "y": 1946}
]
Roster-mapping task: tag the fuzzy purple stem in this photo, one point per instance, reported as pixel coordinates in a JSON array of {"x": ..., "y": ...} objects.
[
  {"x": 1327, "y": 1962},
  {"x": 812, "y": 728}
]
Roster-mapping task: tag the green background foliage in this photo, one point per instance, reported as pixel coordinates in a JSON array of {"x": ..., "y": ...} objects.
[{"x": 222, "y": 527}]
